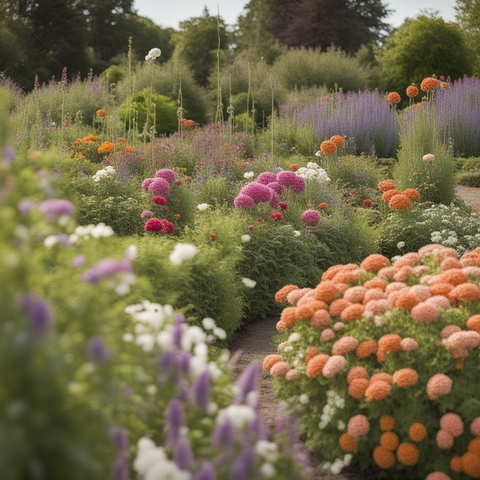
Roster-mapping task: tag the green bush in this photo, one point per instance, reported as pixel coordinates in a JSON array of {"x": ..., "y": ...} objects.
[{"x": 469, "y": 179}]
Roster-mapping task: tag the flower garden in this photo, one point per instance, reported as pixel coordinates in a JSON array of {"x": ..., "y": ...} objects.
[{"x": 127, "y": 264}]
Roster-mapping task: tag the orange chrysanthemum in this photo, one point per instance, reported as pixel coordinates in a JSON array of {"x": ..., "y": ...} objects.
[
  {"x": 440, "y": 289},
  {"x": 288, "y": 317},
  {"x": 390, "y": 441},
  {"x": 412, "y": 194},
  {"x": 400, "y": 202},
  {"x": 383, "y": 458},
  {"x": 101, "y": 113},
  {"x": 280, "y": 369},
  {"x": 471, "y": 464},
  {"x": 281, "y": 295},
  {"x": 352, "y": 312},
  {"x": 467, "y": 292},
  {"x": 347, "y": 443},
  {"x": 456, "y": 465},
  {"x": 374, "y": 294},
  {"x": 328, "y": 147},
  {"x": 348, "y": 276},
  {"x": 320, "y": 319},
  {"x": 388, "y": 343},
  {"x": 387, "y": 423},
  {"x": 381, "y": 377},
  {"x": 474, "y": 446},
  {"x": 375, "y": 283},
  {"x": 454, "y": 277},
  {"x": 375, "y": 262},
  {"x": 412, "y": 91},
  {"x": 429, "y": 83},
  {"x": 377, "y": 391},
  {"x": 338, "y": 140},
  {"x": 270, "y": 360},
  {"x": 356, "y": 372},
  {"x": 326, "y": 291},
  {"x": 417, "y": 432},
  {"x": 406, "y": 300},
  {"x": 386, "y": 196},
  {"x": 331, "y": 272},
  {"x": 294, "y": 166},
  {"x": 473, "y": 323},
  {"x": 386, "y": 185},
  {"x": 449, "y": 263},
  {"x": 306, "y": 311},
  {"x": 311, "y": 352},
  {"x": 393, "y": 97},
  {"x": 338, "y": 306},
  {"x": 444, "y": 84},
  {"x": 365, "y": 349},
  {"x": 358, "y": 387},
  {"x": 106, "y": 147},
  {"x": 408, "y": 454},
  {"x": 405, "y": 377},
  {"x": 315, "y": 365}
]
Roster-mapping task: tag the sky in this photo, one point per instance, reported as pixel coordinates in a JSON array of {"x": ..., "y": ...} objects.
[{"x": 170, "y": 13}]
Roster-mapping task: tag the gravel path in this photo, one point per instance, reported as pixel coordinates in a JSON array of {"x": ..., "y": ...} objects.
[{"x": 471, "y": 195}]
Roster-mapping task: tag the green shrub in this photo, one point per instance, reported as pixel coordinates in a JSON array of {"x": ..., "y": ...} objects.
[{"x": 469, "y": 179}]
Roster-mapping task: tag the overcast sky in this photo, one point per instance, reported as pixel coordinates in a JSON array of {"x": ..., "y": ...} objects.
[{"x": 168, "y": 13}]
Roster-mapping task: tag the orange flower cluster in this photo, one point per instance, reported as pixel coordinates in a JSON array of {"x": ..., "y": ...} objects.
[
  {"x": 327, "y": 147},
  {"x": 101, "y": 113},
  {"x": 386, "y": 185},
  {"x": 400, "y": 202},
  {"x": 294, "y": 166},
  {"x": 187, "y": 123},
  {"x": 428, "y": 84},
  {"x": 393, "y": 98},
  {"x": 412, "y": 91},
  {"x": 106, "y": 147},
  {"x": 338, "y": 140}
]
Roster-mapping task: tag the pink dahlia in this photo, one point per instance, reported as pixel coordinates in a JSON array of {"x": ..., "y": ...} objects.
[
  {"x": 444, "y": 439},
  {"x": 424, "y": 312},
  {"x": 310, "y": 217},
  {"x": 276, "y": 186},
  {"x": 276, "y": 216},
  {"x": 153, "y": 225},
  {"x": 166, "y": 174},
  {"x": 159, "y": 186},
  {"x": 259, "y": 192},
  {"x": 146, "y": 214},
  {"x": 344, "y": 345},
  {"x": 335, "y": 364},
  {"x": 146, "y": 183},
  {"x": 358, "y": 426},
  {"x": 280, "y": 369},
  {"x": 408, "y": 344},
  {"x": 452, "y": 423},
  {"x": 327, "y": 334},
  {"x": 244, "y": 201},
  {"x": 266, "y": 177},
  {"x": 159, "y": 200}
]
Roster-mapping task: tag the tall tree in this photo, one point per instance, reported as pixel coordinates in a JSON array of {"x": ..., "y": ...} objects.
[{"x": 468, "y": 16}]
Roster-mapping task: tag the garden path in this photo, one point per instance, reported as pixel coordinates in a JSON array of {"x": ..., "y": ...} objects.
[{"x": 471, "y": 195}]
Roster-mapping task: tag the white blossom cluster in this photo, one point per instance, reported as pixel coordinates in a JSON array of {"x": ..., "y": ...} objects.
[
  {"x": 268, "y": 451},
  {"x": 90, "y": 231},
  {"x": 153, "y": 54},
  {"x": 202, "y": 206},
  {"x": 181, "y": 252},
  {"x": 155, "y": 328},
  {"x": 334, "y": 401},
  {"x": 248, "y": 175},
  {"x": 152, "y": 463},
  {"x": 104, "y": 173},
  {"x": 338, "y": 464},
  {"x": 313, "y": 172}
]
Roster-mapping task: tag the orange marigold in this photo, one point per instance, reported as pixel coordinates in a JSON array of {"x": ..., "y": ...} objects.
[
  {"x": 347, "y": 443},
  {"x": 388, "y": 343},
  {"x": 390, "y": 441},
  {"x": 315, "y": 365},
  {"x": 328, "y": 147},
  {"x": 393, "y": 97},
  {"x": 400, "y": 202},
  {"x": 473, "y": 323},
  {"x": 375, "y": 262},
  {"x": 377, "y": 391},
  {"x": 454, "y": 277},
  {"x": 474, "y": 446},
  {"x": 101, "y": 113},
  {"x": 412, "y": 91},
  {"x": 383, "y": 458},
  {"x": 288, "y": 316},
  {"x": 471, "y": 464},
  {"x": 405, "y": 377},
  {"x": 294, "y": 166},
  {"x": 387, "y": 423},
  {"x": 440, "y": 289},
  {"x": 326, "y": 291},
  {"x": 467, "y": 292},
  {"x": 355, "y": 373},
  {"x": 381, "y": 377},
  {"x": 311, "y": 352},
  {"x": 358, "y": 387},
  {"x": 375, "y": 283},
  {"x": 281, "y": 295},
  {"x": 386, "y": 196},
  {"x": 352, "y": 312},
  {"x": 412, "y": 194},
  {"x": 106, "y": 147},
  {"x": 444, "y": 84},
  {"x": 456, "y": 465},
  {"x": 417, "y": 432},
  {"x": 270, "y": 360},
  {"x": 408, "y": 454},
  {"x": 338, "y": 306},
  {"x": 306, "y": 311},
  {"x": 365, "y": 349},
  {"x": 429, "y": 83},
  {"x": 406, "y": 300},
  {"x": 331, "y": 272},
  {"x": 338, "y": 140},
  {"x": 386, "y": 185}
]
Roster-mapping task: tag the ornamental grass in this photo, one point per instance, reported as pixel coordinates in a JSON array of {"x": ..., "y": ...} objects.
[{"x": 388, "y": 358}]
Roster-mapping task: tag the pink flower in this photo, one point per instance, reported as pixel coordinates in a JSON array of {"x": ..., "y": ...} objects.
[
  {"x": 266, "y": 177},
  {"x": 311, "y": 217},
  {"x": 344, "y": 345},
  {"x": 327, "y": 335},
  {"x": 439, "y": 301},
  {"x": 159, "y": 200},
  {"x": 286, "y": 178},
  {"x": 146, "y": 214},
  {"x": 463, "y": 340},
  {"x": 166, "y": 174},
  {"x": 159, "y": 186},
  {"x": 439, "y": 384},
  {"x": 437, "y": 476},
  {"x": 335, "y": 364},
  {"x": 428, "y": 157},
  {"x": 275, "y": 186},
  {"x": 244, "y": 201},
  {"x": 280, "y": 369},
  {"x": 358, "y": 426},
  {"x": 475, "y": 427},
  {"x": 153, "y": 225},
  {"x": 449, "y": 330},
  {"x": 339, "y": 326},
  {"x": 452, "y": 423},
  {"x": 298, "y": 185},
  {"x": 283, "y": 205},
  {"x": 275, "y": 199},
  {"x": 408, "y": 344},
  {"x": 259, "y": 192},
  {"x": 355, "y": 294},
  {"x": 146, "y": 183},
  {"x": 444, "y": 439},
  {"x": 291, "y": 375},
  {"x": 424, "y": 312},
  {"x": 276, "y": 216}
]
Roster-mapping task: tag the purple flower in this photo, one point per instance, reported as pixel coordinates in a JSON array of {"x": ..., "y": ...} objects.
[
  {"x": 276, "y": 187},
  {"x": 311, "y": 217},
  {"x": 242, "y": 464},
  {"x": 54, "y": 207},
  {"x": 25, "y": 206},
  {"x": 275, "y": 199},
  {"x": 64, "y": 76},
  {"x": 36, "y": 84},
  {"x": 183, "y": 454},
  {"x": 247, "y": 381},
  {"x": 257, "y": 426},
  {"x": 98, "y": 351},
  {"x": 266, "y": 177},
  {"x": 174, "y": 421},
  {"x": 207, "y": 472},
  {"x": 78, "y": 260},
  {"x": 287, "y": 179},
  {"x": 119, "y": 438},
  {"x": 177, "y": 335},
  {"x": 166, "y": 174},
  {"x": 146, "y": 183},
  {"x": 120, "y": 468},
  {"x": 105, "y": 268},
  {"x": 184, "y": 394},
  {"x": 63, "y": 238},
  {"x": 9, "y": 154},
  {"x": 259, "y": 192},
  {"x": 201, "y": 391},
  {"x": 39, "y": 312},
  {"x": 146, "y": 214},
  {"x": 184, "y": 363},
  {"x": 244, "y": 201},
  {"x": 298, "y": 185},
  {"x": 159, "y": 186},
  {"x": 169, "y": 361},
  {"x": 223, "y": 434}
]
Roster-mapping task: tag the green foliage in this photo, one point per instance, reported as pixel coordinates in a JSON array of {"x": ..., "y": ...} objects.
[
  {"x": 421, "y": 47},
  {"x": 469, "y": 179},
  {"x": 435, "y": 181}
]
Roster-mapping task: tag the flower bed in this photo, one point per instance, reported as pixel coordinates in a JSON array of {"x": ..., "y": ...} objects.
[{"x": 380, "y": 360}]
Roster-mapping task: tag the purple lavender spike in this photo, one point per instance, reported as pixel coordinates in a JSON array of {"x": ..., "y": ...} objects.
[
  {"x": 257, "y": 426},
  {"x": 120, "y": 468},
  {"x": 201, "y": 391},
  {"x": 223, "y": 434},
  {"x": 39, "y": 312},
  {"x": 242, "y": 464},
  {"x": 119, "y": 438},
  {"x": 183, "y": 454},
  {"x": 98, "y": 351},
  {"x": 78, "y": 260},
  {"x": 177, "y": 334},
  {"x": 9, "y": 154},
  {"x": 175, "y": 420},
  {"x": 56, "y": 206},
  {"x": 184, "y": 393},
  {"x": 169, "y": 361},
  {"x": 185, "y": 362},
  {"x": 207, "y": 472},
  {"x": 282, "y": 419},
  {"x": 247, "y": 381}
]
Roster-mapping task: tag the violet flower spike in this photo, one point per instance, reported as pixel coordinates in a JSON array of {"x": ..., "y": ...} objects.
[
  {"x": 223, "y": 434},
  {"x": 39, "y": 313},
  {"x": 174, "y": 421},
  {"x": 120, "y": 467},
  {"x": 183, "y": 454},
  {"x": 55, "y": 207},
  {"x": 201, "y": 390},
  {"x": 98, "y": 351},
  {"x": 242, "y": 464},
  {"x": 119, "y": 438},
  {"x": 207, "y": 472},
  {"x": 247, "y": 381}
]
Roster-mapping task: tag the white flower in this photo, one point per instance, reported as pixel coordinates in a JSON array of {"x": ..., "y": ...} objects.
[
  {"x": 208, "y": 323},
  {"x": 131, "y": 252},
  {"x": 202, "y": 206},
  {"x": 347, "y": 459},
  {"x": 248, "y": 174},
  {"x": 303, "y": 398},
  {"x": 296, "y": 233},
  {"x": 267, "y": 470},
  {"x": 128, "y": 337},
  {"x": 153, "y": 54},
  {"x": 318, "y": 154},
  {"x": 400, "y": 245},
  {"x": 146, "y": 341},
  {"x": 212, "y": 408},
  {"x": 267, "y": 450},
  {"x": 214, "y": 371},
  {"x": 251, "y": 398},
  {"x": 152, "y": 389},
  {"x": 341, "y": 425},
  {"x": 106, "y": 172},
  {"x": 246, "y": 238},
  {"x": 50, "y": 241},
  {"x": 181, "y": 252},
  {"x": 249, "y": 283},
  {"x": 294, "y": 337},
  {"x": 197, "y": 366},
  {"x": 240, "y": 415},
  {"x": 220, "y": 333}
]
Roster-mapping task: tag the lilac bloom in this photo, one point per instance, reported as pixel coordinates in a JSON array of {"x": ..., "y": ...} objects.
[
  {"x": 207, "y": 472},
  {"x": 201, "y": 391},
  {"x": 243, "y": 464},
  {"x": 105, "y": 268},
  {"x": 247, "y": 381},
  {"x": 183, "y": 454},
  {"x": 25, "y": 206},
  {"x": 39, "y": 312},
  {"x": 55, "y": 207},
  {"x": 119, "y": 438},
  {"x": 98, "y": 351},
  {"x": 223, "y": 434},
  {"x": 120, "y": 468},
  {"x": 9, "y": 154},
  {"x": 174, "y": 420},
  {"x": 78, "y": 260}
]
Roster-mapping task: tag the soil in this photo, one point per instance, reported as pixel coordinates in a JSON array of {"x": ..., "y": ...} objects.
[{"x": 253, "y": 343}]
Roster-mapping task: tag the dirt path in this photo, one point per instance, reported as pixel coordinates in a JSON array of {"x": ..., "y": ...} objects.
[{"x": 471, "y": 195}]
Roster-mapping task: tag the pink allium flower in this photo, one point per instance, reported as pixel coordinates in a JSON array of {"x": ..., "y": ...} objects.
[
  {"x": 286, "y": 178},
  {"x": 146, "y": 214},
  {"x": 275, "y": 199},
  {"x": 280, "y": 369},
  {"x": 311, "y": 217},
  {"x": 439, "y": 301},
  {"x": 439, "y": 384},
  {"x": 355, "y": 294},
  {"x": 344, "y": 345},
  {"x": 284, "y": 206},
  {"x": 475, "y": 427},
  {"x": 291, "y": 375},
  {"x": 429, "y": 157},
  {"x": 159, "y": 200},
  {"x": 335, "y": 364},
  {"x": 444, "y": 439},
  {"x": 266, "y": 177},
  {"x": 421, "y": 291},
  {"x": 449, "y": 330},
  {"x": 424, "y": 312},
  {"x": 338, "y": 326},
  {"x": 437, "y": 476},
  {"x": 376, "y": 307},
  {"x": 358, "y": 426},
  {"x": 408, "y": 344},
  {"x": 298, "y": 185},
  {"x": 159, "y": 186},
  {"x": 463, "y": 340},
  {"x": 327, "y": 335},
  {"x": 166, "y": 174},
  {"x": 373, "y": 294},
  {"x": 259, "y": 192},
  {"x": 146, "y": 183},
  {"x": 244, "y": 201},
  {"x": 276, "y": 186},
  {"x": 276, "y": 216},
  {"x": 452, "y": 423}
]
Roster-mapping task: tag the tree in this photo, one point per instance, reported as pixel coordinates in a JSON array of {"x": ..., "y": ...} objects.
[
  {"x": 468, "y": 16},
  {"x": 421, "y": 47},
  {"x": 196, "y": 44}
]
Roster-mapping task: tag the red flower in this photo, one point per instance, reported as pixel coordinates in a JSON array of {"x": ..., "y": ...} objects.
[
  {"x": 367, "y": 203},
  {"x": 178, "y": 182},
  {"x": 323, "y": 205},
  {"x": 283, "y": 205},
  {"x": 213, "y": 236},
  {"x": 177, "y": 201},
  {"x": 251, "y": 227},
  {"x": 176, "y": 216},
  {"x": 159, "y": 200},
  {"x": 188, "y": 179},
  {"x": 198, "y": 163},
  {"x": 153, "y": 225},
  {"x": 259, "y": 219},
  {"x": 166, "y": 209},
  {"x": 276, "y": 216}
]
